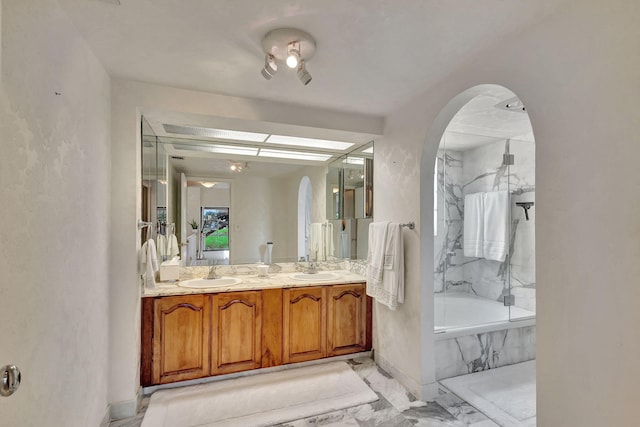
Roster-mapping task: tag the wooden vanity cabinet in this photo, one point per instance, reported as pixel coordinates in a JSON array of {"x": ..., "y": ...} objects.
[
  {"x": 181, "y": 338},
  {"x": 346, "y": 319},
  {"x": 194, "y": 336},
  {"x": 304, "y": 324},
  {"x": 236, "y": 328}
]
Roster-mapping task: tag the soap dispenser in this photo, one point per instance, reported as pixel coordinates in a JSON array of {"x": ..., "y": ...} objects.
[{"x": 269, "y": 251}]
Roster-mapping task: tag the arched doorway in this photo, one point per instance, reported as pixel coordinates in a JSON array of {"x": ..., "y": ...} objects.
[{"x": 484, "y": 176}]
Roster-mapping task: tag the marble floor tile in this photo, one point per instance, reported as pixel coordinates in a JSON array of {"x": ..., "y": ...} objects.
[
  {"x": 396, "y": 407},
  {"x": 460, "y": 409}
]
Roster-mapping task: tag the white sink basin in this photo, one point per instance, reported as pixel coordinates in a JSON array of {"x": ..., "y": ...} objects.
[
  {"x": 210, "y": 283},
  {"x": 314, "y": 277}
]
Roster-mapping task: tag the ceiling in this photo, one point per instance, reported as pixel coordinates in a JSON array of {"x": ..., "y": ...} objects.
[{"x": 372, "y": 55}]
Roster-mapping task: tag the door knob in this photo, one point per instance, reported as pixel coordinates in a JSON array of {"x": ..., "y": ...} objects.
[{"x": 11, "y": 378}]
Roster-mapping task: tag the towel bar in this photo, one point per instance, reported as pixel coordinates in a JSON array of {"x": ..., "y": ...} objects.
[{"x": 411, "y": 225}]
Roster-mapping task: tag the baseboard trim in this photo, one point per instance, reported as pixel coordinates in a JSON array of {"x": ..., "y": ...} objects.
[
  {"x": 408, "y": 383},
  {"x": 125, "y": 409},
  {"x": 107, "y": 417},
  {"x": 151, "y": 389}
]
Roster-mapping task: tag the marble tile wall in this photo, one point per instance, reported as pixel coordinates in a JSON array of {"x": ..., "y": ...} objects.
[
  {"x": 481, "y": 170},
  {"x": 479, "y": 352}
]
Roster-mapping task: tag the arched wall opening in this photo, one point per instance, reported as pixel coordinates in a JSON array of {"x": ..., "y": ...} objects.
[{"x": 451, "y": 273}]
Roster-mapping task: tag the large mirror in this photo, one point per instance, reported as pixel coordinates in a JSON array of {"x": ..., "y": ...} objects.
[{"x": 226, "y": 206}]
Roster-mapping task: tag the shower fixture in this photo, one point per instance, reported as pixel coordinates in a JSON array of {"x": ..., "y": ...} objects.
[
  {"x": 512, "y": 104},
  {"x": 289, "y": 45},
  {"x": 525, "y": 206}
]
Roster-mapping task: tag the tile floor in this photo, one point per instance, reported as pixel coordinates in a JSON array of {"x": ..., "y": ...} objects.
[{"x": 395, "y": 408}]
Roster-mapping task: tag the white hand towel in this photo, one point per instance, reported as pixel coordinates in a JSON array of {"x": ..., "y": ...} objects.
[
  {"x": 149, "y": 263},
  {"x": 161, "y": 245},
  {"x": 496, "y": 214},
  {"x": 329, "y": 246},
  {"x": 391, "y": 292},
  {"x": 315, "y": 241},
  {"x": 375, "y": 256},
  {"x": 172, "y": 246},
  {"x": 473, "y": 225}
]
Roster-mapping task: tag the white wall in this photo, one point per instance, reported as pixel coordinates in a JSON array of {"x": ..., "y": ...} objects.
[
  {"x": 128, "y": 100},
  {"x": 54, "y": 233},
  {"x": 578, "y": 75},
  {"x": 285, "y": 220}
]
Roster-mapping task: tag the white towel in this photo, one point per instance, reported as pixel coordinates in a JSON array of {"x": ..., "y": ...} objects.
[
  {"x": 329, "y": 247},
  {"x": 172, "y": 246},
  {"x": 392, "y": 290},
  {"x": 161, "y": 245},
  {"x": 316, "y": 246},
  {"x": 375, "y": 256},
  {"x": 496, "y": 214},
  {"x": 149, "y": 263},
  {"x": 473, "y": 225}
]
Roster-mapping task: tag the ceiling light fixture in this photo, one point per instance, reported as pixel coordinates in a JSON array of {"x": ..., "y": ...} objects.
[
  {"x": 303, "y": 74},
  {"x": 207, "y": 184},
  {"x": 296, "y": 155},
  {"x": 270, "y": 67},
  {"x": 324, "y": 144},
  {"x": 291, "y": 46}
]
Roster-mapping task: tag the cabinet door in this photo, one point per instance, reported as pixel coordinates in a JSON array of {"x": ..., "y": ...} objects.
[
  {"x": 180, "y": 338},
  {"x": 237, "y": 332},
  {"x": 305, "y": 330},
  {"x": 346, "y": 319}
]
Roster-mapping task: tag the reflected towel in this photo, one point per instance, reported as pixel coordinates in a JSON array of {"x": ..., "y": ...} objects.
[
  {"x": 375, "y": 256},
  {"x": 329, "y": 247},
  {"x": 316, "y": 242},
  {"x": 473, "y": 225},
  {"x": 149, "y": 263},
  {"x": 496, "y": 213},
  {"x": 161, "y": 245},
  {"x": 172, "y": 246}
]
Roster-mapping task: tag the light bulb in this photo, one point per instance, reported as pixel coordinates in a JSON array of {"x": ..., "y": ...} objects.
[
  {"x": 292, "y": 59},
  {"x": 293, "y": 54}
]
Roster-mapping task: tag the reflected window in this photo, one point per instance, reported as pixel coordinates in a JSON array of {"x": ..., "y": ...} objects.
[{"x": 215, "y": 228}]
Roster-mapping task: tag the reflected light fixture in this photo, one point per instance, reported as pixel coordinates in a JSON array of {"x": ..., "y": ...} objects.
[
  {"x": 289, "y": 45},
  {"x": 207, "y": 184},
  {"x": 238, "y": 166}
]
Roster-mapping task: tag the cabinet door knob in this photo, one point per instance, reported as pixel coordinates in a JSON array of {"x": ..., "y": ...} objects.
[{"x": 11, "y": 378}]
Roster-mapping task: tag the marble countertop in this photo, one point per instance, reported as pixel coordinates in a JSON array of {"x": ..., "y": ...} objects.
[{"x": 249, "y": 280}]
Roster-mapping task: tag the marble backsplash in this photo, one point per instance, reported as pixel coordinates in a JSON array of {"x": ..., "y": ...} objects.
[{"x": 481, "y": 170}]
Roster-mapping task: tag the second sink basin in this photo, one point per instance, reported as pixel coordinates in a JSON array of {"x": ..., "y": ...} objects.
[
  {"x": 210, "y": 283},
  {"x": 314, "y": 277}
]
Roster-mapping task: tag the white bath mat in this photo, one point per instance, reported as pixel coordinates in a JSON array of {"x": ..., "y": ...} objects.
[
  {"x": 507, "y": 395},
  {"x": 260, "y": 400}
]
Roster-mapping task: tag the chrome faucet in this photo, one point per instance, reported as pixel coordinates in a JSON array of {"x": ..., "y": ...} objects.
[
  {"x": 312, "y": 267},
  {"x": 212, "y": 273}
]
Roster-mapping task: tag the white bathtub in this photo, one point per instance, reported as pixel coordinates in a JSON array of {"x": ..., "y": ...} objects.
[{"x": 458, "y": 313}]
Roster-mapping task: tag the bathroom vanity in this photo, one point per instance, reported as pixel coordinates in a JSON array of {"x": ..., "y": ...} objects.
[{"x": 257, "y": 323}]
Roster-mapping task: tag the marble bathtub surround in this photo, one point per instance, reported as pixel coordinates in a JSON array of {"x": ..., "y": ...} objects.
[
  {"x": 461, "y": 173},
  {"x": 474, "y": 353}
]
